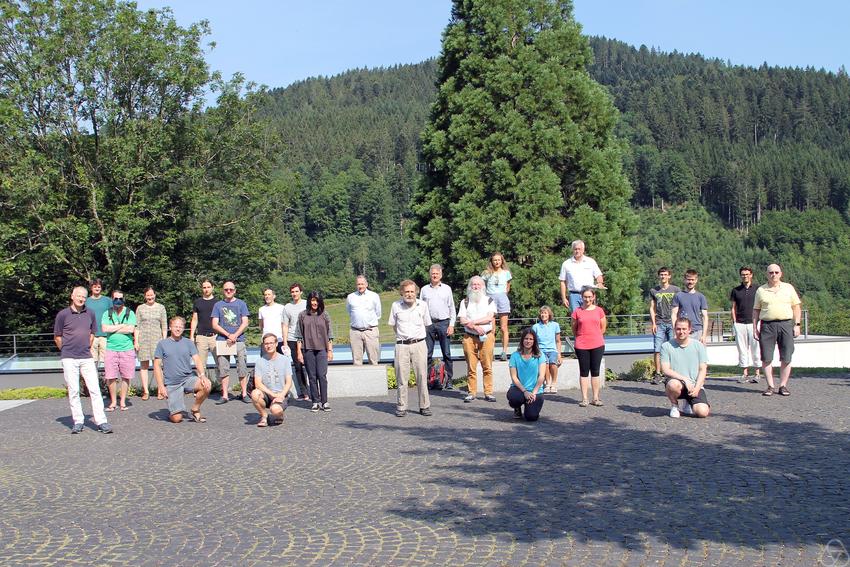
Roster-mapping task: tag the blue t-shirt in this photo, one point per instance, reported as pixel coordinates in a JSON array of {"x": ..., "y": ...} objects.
[
  {"x": 546, "y": 335},
  {"x": 690, "y": 307},
  {"x": 527, "y": 370},
  {"x": 496, "y": 282},
  {"x": 230, "y": 316},
  {"x": 273, "y": 372},
  {"x": 176, "y": 356}
]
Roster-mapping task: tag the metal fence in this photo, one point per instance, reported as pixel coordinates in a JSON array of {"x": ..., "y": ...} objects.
[{"x": 719, "y": 327}]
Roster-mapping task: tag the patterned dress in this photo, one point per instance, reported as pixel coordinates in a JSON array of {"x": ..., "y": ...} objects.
[{"x": 151, "y": 322}]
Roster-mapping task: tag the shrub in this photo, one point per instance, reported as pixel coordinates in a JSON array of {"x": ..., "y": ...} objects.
[
  {"x": 641, "y": 370},
  {"x": 391, "y": 381},
  {"x": 34, "y": 393}
]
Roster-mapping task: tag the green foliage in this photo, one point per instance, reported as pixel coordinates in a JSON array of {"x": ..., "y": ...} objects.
[
  {"x": 34, "y": 393},
  {"x": 391, "y": 379},
  {"x": 610, "y": 375},
  {"x": 522, "y": 154},
  {"x": 641, "y": 370}
]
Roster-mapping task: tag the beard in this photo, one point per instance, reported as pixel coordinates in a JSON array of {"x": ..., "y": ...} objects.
[{"x": 475, "y": 296}]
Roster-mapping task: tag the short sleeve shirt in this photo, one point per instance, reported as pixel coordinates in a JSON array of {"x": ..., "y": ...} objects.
[
  {"x": 546, "y": 335},
  {"x": 473, "y": 310},
  {"x": 664, "y": 302},
  {"x": 272, "y": 317},
  {"x": 409, "y": 321},
  {"x": 579, "y": 274},
  {"x": 230, "y": 315},
  {"x": 76, "y": 329},
  {"x": 274, "y": 371},
  {"x": 176, "y": 357},
  {"x": 119, "y": 342},
  {"x": 98, "y": 307},
  {"x": 527, "y": 370},
  {"x": 588, "y": 330},
  {"x": 291, "y": 311},
  {"x": 685, "y": 360},
  {"x": 744, "y": 299},
  {"x": 496, "y": 282},
  {"x": 203, "y": 307},
  {"x": 776, "y": 303},
  {"x": 691, "y": 306}
]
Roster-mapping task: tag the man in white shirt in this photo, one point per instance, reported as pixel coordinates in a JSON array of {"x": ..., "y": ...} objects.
[
  {"x": 441, "y": 306},
  {"x": 364, "y": 310},
  {"x": 576, "y": 273},
  {"x": 270, "y": 318},
  {"x": 409, "y": 319},
  {"x": 477, "y": 314}
]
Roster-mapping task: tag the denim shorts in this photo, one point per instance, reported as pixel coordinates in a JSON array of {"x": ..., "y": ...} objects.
[
  {"x": 663, "y": 334},
  {"x": 176, "y": 404},
  {"x": 503, "y": 304},
  {"x": 551, "y": 357}
]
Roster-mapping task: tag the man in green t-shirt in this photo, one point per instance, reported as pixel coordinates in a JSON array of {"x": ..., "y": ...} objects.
[
  {"x": 684, "y": 361},
  {"x": 119, "y": 324}
]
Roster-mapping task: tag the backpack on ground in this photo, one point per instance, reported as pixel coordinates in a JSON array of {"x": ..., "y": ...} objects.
[{"x": 437, "y": 377}]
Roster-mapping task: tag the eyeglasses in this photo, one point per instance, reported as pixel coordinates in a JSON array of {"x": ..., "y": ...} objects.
[
  {"x": 274, "y": 343},
  {"x": 230, "y": 289},
  {"x": 774, "y": 272}
]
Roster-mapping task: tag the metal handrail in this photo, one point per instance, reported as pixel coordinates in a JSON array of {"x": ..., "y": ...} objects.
[{"x": 720, "y": 330}]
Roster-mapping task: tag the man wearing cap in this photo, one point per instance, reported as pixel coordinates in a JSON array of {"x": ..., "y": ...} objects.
[{"x": 73, "y": 332}]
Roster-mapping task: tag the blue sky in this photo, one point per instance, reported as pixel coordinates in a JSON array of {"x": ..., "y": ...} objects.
[{"x": 279, "y": 42}]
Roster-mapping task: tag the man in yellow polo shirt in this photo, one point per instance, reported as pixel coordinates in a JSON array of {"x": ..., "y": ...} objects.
[{"x": 777, "y": 308}]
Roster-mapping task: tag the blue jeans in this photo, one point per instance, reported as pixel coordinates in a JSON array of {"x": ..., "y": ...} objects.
[
  {"x": 438, "y": 332},
  {"x": 663, "y": 334},
  {"x": 575, "y": 301}
]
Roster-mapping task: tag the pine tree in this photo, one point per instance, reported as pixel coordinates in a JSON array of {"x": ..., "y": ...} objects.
[{"x": 522, "y": 153}]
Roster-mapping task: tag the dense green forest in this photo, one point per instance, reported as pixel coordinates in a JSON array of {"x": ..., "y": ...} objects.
[{"x": 728, "y": 166}]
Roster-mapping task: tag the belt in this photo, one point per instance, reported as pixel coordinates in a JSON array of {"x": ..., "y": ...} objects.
[
  {"x": 410, "y": 341},
  {"x": 363, "y": 329},
  {"x": 476, "y": 334},
  {"x": 208, "y": 334},
  {"x": 439, "y": 320},
  {"x": 575, "y": 291}
]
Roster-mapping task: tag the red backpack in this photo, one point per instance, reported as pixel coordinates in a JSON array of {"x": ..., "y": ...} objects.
[{"x": 437, "y": 378}]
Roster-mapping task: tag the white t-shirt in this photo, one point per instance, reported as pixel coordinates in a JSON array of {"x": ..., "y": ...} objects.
[{"x": 272, "y": 317}]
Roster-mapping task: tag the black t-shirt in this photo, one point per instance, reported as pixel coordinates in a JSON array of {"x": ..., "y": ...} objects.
[
  {"x": 203, "y": 307},
  {"x": 744, "y": 298}
]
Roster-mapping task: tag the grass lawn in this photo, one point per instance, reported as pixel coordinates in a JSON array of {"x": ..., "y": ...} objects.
[{"x": 339, "y": 318}]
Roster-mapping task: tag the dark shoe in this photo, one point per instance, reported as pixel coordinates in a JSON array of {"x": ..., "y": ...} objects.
[
  {"x": 425, "y": 411},
  {"x": 246, "y": 399},
  {"x": 104, "y": 428},
  {"x": 326, "y": 406},
  {"x": 504, "y": 357},
  {"x": 768, "y": 392},
  {"x": 400, "y": 413},
  {"x": 78, "y": 428},
  {"x": 517, "y": 413},
  {"x": 449, "y": 386},
  {"x": 783, "y": 391},
  {"x": 754, "y": 380},
  {"x": 490, "y": 398},
  {"x": 222, "y": 401},
  {"x": 314, "y": 408},
  {"x": 655, "y": 379}
]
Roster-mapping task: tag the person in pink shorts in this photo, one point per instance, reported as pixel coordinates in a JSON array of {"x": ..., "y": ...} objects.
[{"x": 119, "y": 324}]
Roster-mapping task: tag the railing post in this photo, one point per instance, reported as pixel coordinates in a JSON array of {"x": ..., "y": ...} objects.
[{"x": 15, "y": 345}]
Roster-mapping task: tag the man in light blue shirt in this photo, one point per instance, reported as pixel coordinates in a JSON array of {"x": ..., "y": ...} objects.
[
  {"x": 441, "y": 306},
  {"x": 364, "y": 310}
]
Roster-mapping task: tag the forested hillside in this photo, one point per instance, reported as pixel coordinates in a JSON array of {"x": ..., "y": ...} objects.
[{"x": 742, "y": 144}]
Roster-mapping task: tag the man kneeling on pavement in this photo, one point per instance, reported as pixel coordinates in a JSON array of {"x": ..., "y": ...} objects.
[
  {"x": 272, "y": 381},
  {"x": 684, "y": 361}
]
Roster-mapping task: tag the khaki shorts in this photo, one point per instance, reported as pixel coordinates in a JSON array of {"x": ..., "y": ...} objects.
[{"x": 98, "y": 349}]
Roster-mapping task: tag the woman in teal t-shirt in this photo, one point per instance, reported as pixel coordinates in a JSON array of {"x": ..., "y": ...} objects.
[{"x": 528, "y": 371}]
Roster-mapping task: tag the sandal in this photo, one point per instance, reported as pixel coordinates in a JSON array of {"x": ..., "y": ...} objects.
[
  {"x": 197, "y": 417},
  {"x": 768, "y": 392},
  {"x": 583, "y": 404},
  {"x": 264, "y": 422},
  {"x": 110, "y": 408},
  {"x": 123, "y": 407},
  {"x": 783, "y": 391},
  {"x": 158, "y": 397},
  {"x": 597, "y": 403},
  {"x": 145, "y": 396}
]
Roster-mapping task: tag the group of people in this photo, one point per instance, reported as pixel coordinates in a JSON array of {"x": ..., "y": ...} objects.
[
  {"x": 297, "y": 341},
  {"x": 763, "y": 318}
]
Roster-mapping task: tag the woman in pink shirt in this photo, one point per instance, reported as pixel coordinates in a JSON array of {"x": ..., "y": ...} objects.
[{"x": 589, "y": 325}]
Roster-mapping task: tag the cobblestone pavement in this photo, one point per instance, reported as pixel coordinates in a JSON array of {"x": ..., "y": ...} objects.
[{"x": 764, "y": 481}]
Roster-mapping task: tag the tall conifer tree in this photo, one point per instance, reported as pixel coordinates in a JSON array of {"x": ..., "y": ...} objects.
[{"x": 522, "y": 155}]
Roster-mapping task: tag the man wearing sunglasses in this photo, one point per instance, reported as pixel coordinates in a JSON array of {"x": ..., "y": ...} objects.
[{"x": 229, "y": 320}]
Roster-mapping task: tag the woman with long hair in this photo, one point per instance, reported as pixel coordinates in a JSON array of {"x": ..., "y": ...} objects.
[
  {"x": 528, "y": 372},
  {"x": 548, "y": 333},
  {"x": 589, "y": 326},
  {"x": 314, "y": 348},
  {"x": 152, "y": 325},
  {"x": 497, "y": 281}
]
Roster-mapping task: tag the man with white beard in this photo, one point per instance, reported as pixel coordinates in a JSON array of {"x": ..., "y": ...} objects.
[
  {"x": 477, "y": 315},
  {"x": 409, "y": 318}
]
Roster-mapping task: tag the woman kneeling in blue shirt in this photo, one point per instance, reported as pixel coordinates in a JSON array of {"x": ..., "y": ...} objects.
[{"x": 528, "y": 372}]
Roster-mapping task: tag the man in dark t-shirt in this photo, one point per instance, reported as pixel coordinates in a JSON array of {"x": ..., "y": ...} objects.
[
  {"x": 660, "y": 310},
  {"x": 742, "y": 298},
  {"x": 73, "y": 332},
  {"x": 200, "y": 328}
]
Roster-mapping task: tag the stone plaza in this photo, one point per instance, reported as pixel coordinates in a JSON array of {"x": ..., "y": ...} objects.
[{"x": 763, "y": 481}]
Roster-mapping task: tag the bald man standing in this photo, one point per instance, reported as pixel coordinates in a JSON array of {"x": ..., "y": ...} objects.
[{"x": 776, "y": 320}]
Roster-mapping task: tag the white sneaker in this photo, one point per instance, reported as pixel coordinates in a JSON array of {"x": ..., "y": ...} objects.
[{"x": 674, "y": 411}]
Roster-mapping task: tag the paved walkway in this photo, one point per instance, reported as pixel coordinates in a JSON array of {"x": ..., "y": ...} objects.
[{"x": 762, "y": 482}]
